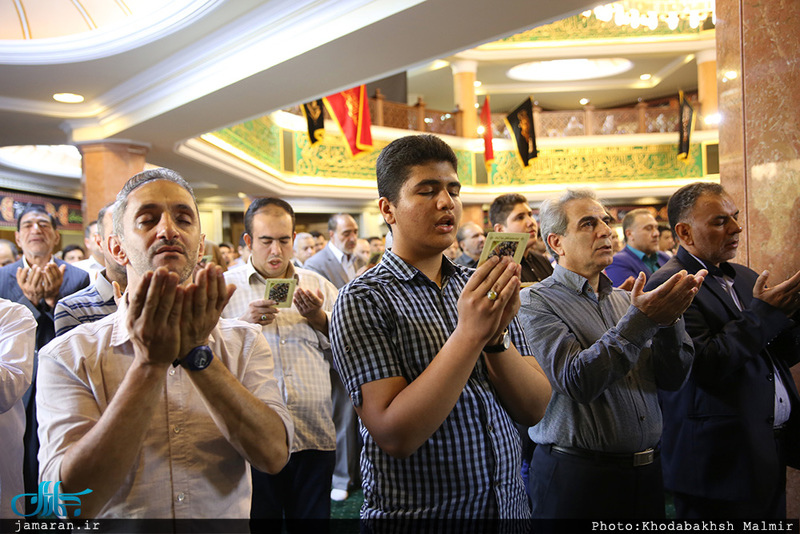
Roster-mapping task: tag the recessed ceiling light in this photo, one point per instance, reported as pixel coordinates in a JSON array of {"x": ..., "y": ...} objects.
[
  {"x": 584, "y": 101},
  {"x": 476, "y": 83},
  {"x": 645, "y": 77},
  {"x": 569, "y": 69},
  {"x": 68, "y": 98}
]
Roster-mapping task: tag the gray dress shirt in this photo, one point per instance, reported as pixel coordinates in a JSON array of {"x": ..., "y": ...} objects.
[{"x": 605, "y": 360}]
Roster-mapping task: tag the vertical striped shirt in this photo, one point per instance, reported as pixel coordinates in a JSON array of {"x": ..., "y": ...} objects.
[{"x": 390, "y": 322}]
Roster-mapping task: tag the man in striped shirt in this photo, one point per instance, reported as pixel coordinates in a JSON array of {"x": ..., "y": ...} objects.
[
  {"x": 96, "y": 301},
  {"x": 435, "y": 363}
]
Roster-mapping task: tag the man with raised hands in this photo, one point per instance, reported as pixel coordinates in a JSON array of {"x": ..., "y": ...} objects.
[{"x": 159, "y": 407}]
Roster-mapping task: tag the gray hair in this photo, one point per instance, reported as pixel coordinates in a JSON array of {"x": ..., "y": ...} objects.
[
  {"x": 553, "y": 214},
  {"x": 299, "y": 236},
  {"x": 138, "y": 180}
]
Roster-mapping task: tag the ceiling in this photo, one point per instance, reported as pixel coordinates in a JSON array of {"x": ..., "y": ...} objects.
[{"x": 214, "y": 63}]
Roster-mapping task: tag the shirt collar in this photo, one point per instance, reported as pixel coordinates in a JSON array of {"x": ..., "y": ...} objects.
[
  {"x": 28, "y": 265},
  {"x": 103, "y": 287},
  {"x": 724, "y": 269},
  {"x": 638, "y": 253},
  {"x": 579, "y": 284},
  {"x": 403, "y": 271},
  {"x": 338, "y": 254}
]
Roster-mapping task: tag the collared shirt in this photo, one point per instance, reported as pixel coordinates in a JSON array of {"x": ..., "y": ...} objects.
[
  {"x": 604, "y": 359},
  {"x": 86, "y": 306},
  {"x": 301, "y": 369},
  {"x": 650, "y": 260},
  {"x": 348, "y": 261},
  {"x": 782, "y": 407},
  {"x": 466, "y": 261},
  {"x": 535, "y": 268},
  {"x": 391, "y": 322},
  {"x": 186, "y": 468},
  {"x": 91, "y": 266},
  {"x": 17, "y": 341}
]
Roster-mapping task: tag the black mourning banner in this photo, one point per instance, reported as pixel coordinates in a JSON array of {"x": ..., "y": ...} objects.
[
  {"x": 685, "y": 125},
  {"x": 520, "y": 123},
  {"x": 315, "y": 119}
]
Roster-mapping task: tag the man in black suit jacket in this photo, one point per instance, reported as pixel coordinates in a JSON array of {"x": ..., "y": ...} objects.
[
  {"x": 732, "y": 429},
  {"x": 37, "y": 281}
]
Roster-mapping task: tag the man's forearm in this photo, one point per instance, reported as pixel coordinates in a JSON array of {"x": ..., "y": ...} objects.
[
  {"x": 252, "y": 427},
  {"x": 522, "y": 386},
  {"x": 103, "y": 457}
]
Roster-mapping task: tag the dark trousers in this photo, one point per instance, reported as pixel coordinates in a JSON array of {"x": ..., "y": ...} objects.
[
  {"x": 566, "y": 486},
  {"x": 769, "y": 501},
  {"x": 300, "y": 493},
  {"x": 347, "y": 471}
]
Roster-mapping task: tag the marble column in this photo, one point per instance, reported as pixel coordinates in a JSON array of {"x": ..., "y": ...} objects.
[
  {"x": 758, "y": 76},
  {"x": 107, "y": 165},
  {"x": 464, "y": 76},
  {"x": 707, "y": 84}
]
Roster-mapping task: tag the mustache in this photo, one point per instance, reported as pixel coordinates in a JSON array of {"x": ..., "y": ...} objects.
[{"x": 167, "y": 243}]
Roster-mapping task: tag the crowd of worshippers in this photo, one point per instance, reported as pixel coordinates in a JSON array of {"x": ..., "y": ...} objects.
[{"x": 182, "y": 379}]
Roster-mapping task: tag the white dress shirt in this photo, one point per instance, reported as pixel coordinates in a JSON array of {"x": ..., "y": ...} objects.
[
  {"x": 17, "y": 341},
  {"x": 186, "y": 469}
]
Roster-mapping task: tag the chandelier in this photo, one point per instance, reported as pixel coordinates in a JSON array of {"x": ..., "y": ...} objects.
[{"x": 651, "y": 13}]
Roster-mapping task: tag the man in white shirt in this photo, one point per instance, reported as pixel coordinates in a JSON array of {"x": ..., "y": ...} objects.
[
  {"x": 161, "y": 407},
  {"x": 297, "y": 331},
  {"x": 96, "y": 261},
  {"x": 17, "y": 339}
]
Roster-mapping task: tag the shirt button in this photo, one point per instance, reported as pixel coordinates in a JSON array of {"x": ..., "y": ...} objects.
[
  {"x": 180, "y": 497},
  {"x": 283, "y": 342},
  {"x": 172, "y": 371},
  {"x": 641, "y": 418},
  {"x": 770, "y": 377},
  {"x": 176, "y": 429},
  {"x": 489, "y": 428}
]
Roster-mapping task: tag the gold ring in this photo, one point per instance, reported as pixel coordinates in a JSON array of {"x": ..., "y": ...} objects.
[
  {"x": 263, "y": 317},
  {"x": 491, "y": 294}
]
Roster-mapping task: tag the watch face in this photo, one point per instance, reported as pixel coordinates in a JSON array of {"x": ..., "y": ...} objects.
[{"x": 199, "y": 358}]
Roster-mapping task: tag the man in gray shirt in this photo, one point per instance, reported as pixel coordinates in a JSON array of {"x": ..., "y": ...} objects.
[{"x": 605, "y": 351}]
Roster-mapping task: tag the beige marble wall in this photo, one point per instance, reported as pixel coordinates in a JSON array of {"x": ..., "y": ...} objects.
[{"x": 760, "y": 138}]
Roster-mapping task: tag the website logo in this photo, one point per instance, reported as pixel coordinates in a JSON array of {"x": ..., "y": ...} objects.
[{"x": 49, "y": 501}]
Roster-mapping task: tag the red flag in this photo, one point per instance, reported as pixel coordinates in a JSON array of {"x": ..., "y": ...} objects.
[
  {"x": 486, "y": 121},
  {"x": 350, "y": 110}
]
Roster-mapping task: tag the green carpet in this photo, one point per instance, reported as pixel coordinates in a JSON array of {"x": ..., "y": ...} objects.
[{"x": 349, "y": 508}]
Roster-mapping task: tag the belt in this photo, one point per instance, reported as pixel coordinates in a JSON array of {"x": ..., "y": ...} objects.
[{"x": 636, "y": 459}]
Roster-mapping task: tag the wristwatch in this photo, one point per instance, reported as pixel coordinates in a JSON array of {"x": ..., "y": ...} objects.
[
  {"x": 500, "y": 347},
  {"x": 198, "y": 359}
]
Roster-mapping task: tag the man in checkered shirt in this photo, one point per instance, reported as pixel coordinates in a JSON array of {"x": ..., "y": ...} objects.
[
  {"x": 297, "y": 337},
  {"x": 435, "y": 363}
]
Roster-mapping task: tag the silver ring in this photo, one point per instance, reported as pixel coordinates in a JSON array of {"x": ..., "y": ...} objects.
[
  {"x": 264, "y": 317},
  {"x": 491, "y": 295}
]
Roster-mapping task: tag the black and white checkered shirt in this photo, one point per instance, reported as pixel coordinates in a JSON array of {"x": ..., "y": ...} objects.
[{"x": 391, "y": 322}]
